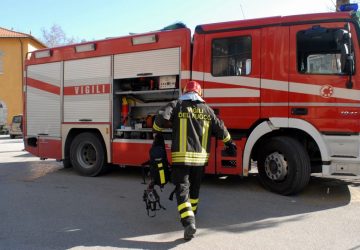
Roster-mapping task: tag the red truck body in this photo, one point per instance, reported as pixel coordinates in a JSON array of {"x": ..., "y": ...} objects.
[{"x": 287, "y": 88}]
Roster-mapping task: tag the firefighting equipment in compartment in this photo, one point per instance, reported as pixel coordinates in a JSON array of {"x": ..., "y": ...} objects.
[
  {"x": 149, "y": 121},
  {"x": 124, "y": 110},
  {"x": 193, "y": 86},
  {"x": 152, "y": 201},
  {"x": 159, "y": 166}
]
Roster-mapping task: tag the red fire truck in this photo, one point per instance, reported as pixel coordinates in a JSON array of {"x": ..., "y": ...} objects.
[{"x": 288, "y": 89}]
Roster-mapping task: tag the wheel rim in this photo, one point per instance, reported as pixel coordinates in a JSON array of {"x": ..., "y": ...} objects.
[
  {"x": 86, "y": 155},
  {"x": 276, "y": 167}
]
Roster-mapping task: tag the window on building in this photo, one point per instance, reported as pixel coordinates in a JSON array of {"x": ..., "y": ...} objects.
[
  {"x": 319, "y": 51},
  {"x": 1, "y": 62},
  {"x": 231, "y": 56}
]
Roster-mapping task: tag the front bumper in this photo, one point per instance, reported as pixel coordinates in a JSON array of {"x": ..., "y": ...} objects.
[{"x": 342, "y": 167}]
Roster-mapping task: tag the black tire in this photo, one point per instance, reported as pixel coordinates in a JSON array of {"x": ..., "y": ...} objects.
[
  {"x": 12, "y": 136},
  {"x": 87, "y": 154},
  {"x": 284, "y": 165},
  {"x": 67, "y": 163}
]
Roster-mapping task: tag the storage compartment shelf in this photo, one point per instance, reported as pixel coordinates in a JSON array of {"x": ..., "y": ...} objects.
[
  {"x": 152, "y": 95},
  {"x": 148, "y": 104}
]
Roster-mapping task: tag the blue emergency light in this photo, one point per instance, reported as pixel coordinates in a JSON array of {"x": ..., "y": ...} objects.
[{"x": 349, "y": 7}]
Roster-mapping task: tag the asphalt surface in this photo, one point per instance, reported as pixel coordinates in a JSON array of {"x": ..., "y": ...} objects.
[{"x": 43, "y": 206}]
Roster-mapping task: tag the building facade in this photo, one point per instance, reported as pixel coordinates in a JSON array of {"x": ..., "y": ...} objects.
[{"x": 14, "y": 47}]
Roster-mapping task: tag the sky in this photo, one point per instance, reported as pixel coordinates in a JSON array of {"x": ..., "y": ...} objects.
[{"x": 99, "y": 19}]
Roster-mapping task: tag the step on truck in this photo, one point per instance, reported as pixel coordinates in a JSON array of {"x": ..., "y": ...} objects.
[{"x": 288, "y": 89}]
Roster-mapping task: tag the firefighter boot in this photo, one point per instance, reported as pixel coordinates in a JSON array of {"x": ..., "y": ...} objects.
[{"x": 189, "y": 231}]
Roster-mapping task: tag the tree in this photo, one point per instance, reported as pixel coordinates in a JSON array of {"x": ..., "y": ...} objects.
[{"x": 55, "y": 36}]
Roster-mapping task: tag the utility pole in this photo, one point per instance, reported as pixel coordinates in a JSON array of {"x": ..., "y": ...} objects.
[{"x": 341, "y": 2}]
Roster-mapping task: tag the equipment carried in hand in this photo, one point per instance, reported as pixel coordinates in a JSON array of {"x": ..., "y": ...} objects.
[
  {"x": 159, "y": 165},
  {"x": 152, "y": 200},
  {"x": 159, "y": 174}
]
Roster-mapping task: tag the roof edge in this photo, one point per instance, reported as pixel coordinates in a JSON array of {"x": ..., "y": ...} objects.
[{"x": 22, "y": 35}]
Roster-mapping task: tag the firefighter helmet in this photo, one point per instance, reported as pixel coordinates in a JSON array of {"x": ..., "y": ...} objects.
[{"x": 193, "y": 86}]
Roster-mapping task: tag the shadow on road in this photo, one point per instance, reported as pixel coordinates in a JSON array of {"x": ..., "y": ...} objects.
[{"x": 108, "y": 211}]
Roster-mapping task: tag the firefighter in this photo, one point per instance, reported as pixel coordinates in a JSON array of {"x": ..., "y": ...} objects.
[{"x": 193, "y": 122}]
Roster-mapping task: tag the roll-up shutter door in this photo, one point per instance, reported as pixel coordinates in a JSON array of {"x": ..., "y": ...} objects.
[
  {"x": 43, "y": 111},
  {"x": 154, "y": 62},
  {"x": 87, "y": 90}
]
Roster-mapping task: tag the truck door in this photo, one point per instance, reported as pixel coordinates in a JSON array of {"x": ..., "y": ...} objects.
[
  {"x": 43, "y": 109},
  {"x": 232, "y": 76},
  {"x": 274, "y": 71},
  {"x": 87, "y": 90},
  {"x": 232, "y": 84},
  {"x": 318, "y": 90}
]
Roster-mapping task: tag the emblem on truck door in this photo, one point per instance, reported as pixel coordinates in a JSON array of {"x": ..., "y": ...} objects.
[{"x": 326, "y": 91}]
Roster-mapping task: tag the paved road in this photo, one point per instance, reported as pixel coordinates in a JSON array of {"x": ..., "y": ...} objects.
[{"x": 43, "y": 206}]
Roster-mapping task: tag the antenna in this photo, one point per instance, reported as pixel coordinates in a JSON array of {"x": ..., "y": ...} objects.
[{"x": 242, "y": 11}]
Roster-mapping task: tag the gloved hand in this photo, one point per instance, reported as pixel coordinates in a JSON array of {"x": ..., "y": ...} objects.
[{"x": 230, "y": 148}]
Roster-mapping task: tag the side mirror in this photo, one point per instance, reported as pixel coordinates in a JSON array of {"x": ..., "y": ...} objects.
[
  {"x": 344, "y": 57},
  {"x": 343, "y": 40},
  {"x": 350, "y": 57}
]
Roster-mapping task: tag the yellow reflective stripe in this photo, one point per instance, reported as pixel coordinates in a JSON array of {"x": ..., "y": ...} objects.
[
  {"x": 227, "y": 138},
  {"x": 194, "y": 201},
  {"x": 187, "y": 214},
  {"x": 185, "y": 156},
  {"x": 184, "y": 205},
  {"x": 190, "y": 154},
  {"x": 157, "y": 128},
  {"x": 187, "y": 160},
  {"x": 202, "y": 157},
  {"x": 162, "y": 176},
  {"x": 205, "y": 133},
  {"x": 161, "y": 172},
  {"x": 183, "y": 135},
  {"x": 190, "y": 157}
]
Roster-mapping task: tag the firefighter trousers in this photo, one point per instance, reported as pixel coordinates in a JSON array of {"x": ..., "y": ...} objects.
[{"x": 187, "y": 181}]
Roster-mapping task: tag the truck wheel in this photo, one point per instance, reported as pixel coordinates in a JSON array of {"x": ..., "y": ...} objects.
[
  {"x": 284, "y": 165},
  {"x": 87, "y": 154},
  {"x": 67, "y": 163}
]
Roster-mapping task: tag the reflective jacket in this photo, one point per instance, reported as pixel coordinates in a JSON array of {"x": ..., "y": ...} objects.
[{"x": 193, "y": 123}]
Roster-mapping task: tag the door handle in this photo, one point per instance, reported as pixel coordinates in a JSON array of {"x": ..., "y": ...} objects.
[
  {"x": 299, "y": 111},
  {"x": 145, "y": 74}
]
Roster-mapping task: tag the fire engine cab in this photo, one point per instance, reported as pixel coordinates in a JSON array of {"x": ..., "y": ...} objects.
[{"x": 287, "y": 88}]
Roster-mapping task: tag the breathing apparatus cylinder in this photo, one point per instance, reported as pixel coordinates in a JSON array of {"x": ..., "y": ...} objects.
[{"x": 124, "y": 110}]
